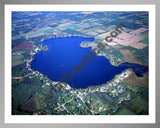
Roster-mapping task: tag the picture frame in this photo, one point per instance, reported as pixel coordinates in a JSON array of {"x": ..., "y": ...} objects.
[{"x": 85, "y": 123}]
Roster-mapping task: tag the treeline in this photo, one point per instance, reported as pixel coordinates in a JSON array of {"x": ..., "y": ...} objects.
[{"x": 141, "y": 55}]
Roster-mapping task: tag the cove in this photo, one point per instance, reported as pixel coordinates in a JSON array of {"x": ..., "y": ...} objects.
[{"x": 65, "y": 53}]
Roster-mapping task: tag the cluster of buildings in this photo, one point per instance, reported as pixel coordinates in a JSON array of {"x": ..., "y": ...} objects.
[{"x": 112, "y": 89}]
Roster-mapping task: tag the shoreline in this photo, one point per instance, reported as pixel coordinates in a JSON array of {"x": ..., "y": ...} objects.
[
  {"x": 41, "y": 48},
  {"x": 132, "y": 63}
]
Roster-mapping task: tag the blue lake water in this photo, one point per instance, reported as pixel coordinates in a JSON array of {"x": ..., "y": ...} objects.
[{"x": 64, "y": 54}]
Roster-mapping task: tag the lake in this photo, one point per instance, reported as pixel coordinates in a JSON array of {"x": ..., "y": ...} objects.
[{"x": 65, "y": 53}]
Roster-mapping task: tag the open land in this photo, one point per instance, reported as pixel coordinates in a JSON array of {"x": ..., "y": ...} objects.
[
  {"x": 42, "y": 96},
  {"x": 137, "y": 81}
]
